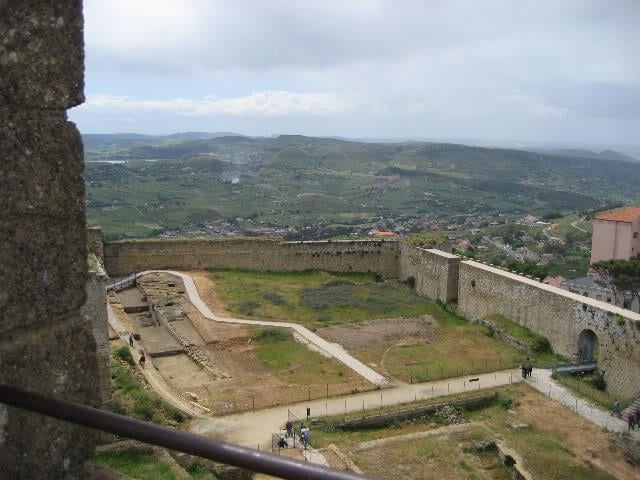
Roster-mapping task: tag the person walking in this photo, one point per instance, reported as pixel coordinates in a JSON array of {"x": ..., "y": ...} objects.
[
  {"x": 131, "y": 339},
  {"x": 289, "y": 427},
  {"x": 615, "y": 410},
  {"x": 631, "y": 421},
  {"x": 637, "y": 417},
  {"x": 304, "y": 435},
  {"x": 143, "y": 359}
]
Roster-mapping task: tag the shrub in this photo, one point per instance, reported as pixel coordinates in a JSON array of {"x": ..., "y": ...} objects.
[
  {"x": 410, "y": 282},
  {"x": 124, "y": 354},
  {"x": 541, "y": 344},
  {"x": 599, "y": 382},
  {"x": 248, "y": 307},
  {"x": 274, "y": 297},
  {"x": 274, "y": 335},
  {"x": 334, "y": 282},
  {"x": 619, "y": 319}
]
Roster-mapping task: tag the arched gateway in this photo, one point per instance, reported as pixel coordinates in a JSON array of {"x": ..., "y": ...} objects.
[{"x": 587, "y": 346}]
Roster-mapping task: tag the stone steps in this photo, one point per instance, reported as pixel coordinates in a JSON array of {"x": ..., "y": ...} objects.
[{"x": 635, "y": 405}]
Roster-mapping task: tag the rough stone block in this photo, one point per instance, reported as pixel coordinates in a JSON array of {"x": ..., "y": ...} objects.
[
  {"x": 41, "y": 53},
  {"x": 57, "y": 360},
  {"x": 43, "y": 268},
  {"x": 42, "y": 164}
]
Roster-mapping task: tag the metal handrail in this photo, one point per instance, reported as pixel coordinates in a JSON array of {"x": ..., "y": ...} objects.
[
  {"x": 123, "y": 281},
  {"x": 185, "y": 442}
]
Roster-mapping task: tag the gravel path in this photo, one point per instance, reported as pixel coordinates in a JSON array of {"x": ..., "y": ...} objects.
[
  {"x": 541, "y": 380},
  {"x": 329, "y": 348}
]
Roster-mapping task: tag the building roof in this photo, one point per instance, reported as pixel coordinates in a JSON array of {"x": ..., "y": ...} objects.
[
  {"x": 377, "y": 233},
  {"x": 626, "y": 215}
]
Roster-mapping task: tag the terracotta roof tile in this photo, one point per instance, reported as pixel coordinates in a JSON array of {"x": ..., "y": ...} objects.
[{"x": 627, "y": 215}]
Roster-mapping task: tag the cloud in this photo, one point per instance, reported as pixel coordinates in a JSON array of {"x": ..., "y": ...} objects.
[
  {"x": 448, "y": 68},
  {"x": 267, "y": 103}
]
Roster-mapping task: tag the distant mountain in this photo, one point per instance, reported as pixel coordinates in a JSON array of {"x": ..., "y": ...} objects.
[
  {"x": 120, "y": 141},
  {"x": 579, "y": 153}
]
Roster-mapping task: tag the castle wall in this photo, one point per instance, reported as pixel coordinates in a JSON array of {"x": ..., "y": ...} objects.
[
  {"x": 46, "y": 346},
  {"x": 94, "y": 311},
  {"x": 481, "y": 290},
  {"x": 94, "y": 241},
  {"x": 558, "y": 315},
  {"x": 376, "y": 256},
  {"x": 435, "y": 272}
]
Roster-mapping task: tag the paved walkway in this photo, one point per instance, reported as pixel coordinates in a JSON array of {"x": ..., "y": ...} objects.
[
  {"x": 541, "y": 380},
  {"x": 330, "y": 349},
  {"x": 254, "y": 427}
]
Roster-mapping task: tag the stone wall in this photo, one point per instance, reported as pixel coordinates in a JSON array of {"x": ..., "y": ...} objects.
[
  {"x": 45, "y": 344},
  {"x": 435, "y": 272},
  {"x": 94, "y": 241},
  {"x": 94, "y": 311},
  {"x": 128, "y": 256},
  {"x": 558, "y": 315}
]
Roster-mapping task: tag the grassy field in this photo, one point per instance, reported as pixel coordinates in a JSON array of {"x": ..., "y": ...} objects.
[
  {"x": 135, "y": 465},
  {"x": 543, "y": 356},
  {"x": 546, "y": 447},
  {"x": 293, "y": 363},
  {"x": 146, "y": 467},
  {"x": 315, "y": 298},
  {"x": 584, "y": 388},
  {"x": 459, "y": 348},
  {"x": 129, "y": 398}
]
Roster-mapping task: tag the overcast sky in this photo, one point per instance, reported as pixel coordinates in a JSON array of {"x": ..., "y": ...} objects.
[{"x": 566, "y": 71}]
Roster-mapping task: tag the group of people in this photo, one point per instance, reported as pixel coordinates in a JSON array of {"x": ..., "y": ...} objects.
[
  {"x": 143, "y": 358},
  {"x": 304, "y": 435},
  {"x": 527, "y": 368}
]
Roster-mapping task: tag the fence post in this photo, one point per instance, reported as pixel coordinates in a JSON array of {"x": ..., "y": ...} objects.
[{"x": 253, "y": 402}]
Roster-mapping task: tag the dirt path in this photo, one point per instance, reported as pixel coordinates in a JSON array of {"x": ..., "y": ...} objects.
[{"x": 331, "y": 349}]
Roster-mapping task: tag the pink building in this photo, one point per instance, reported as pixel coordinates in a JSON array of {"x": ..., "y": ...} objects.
[{"x": 615, "y": 235}]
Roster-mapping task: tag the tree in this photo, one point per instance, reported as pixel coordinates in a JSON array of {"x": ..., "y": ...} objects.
[
  {"x": 528, "y": 267},
  {"x": 620, "y": 275}
]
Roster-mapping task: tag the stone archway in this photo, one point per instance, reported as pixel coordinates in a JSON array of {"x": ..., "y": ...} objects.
[{"x": 587, "y": 346}]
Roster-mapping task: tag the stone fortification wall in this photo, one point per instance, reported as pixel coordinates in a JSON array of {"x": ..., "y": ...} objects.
[
  {"x": 558, "y": 315},
  {"x": 46, "y": 345},
  {"x": 129, "y": 256},
  {"x": 94, "y": 311},
  {"x": 94, "y": 241},
  {"x": 435, "y": 272}
]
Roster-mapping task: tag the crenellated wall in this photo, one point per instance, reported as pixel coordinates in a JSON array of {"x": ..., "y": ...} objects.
[
  {"x": 435, "y": 272},
  {"x": 129, "y": 256},
  {"x": 558, "y": 315}
]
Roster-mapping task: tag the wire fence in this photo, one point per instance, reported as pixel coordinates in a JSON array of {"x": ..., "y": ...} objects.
[
  {"x": 430, "y": 373},
  {"x": 283, "y": 395}
]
